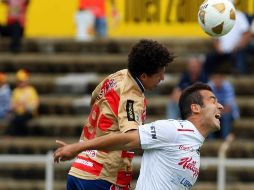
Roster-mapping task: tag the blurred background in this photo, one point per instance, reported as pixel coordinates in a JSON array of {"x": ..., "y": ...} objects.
[{"x": 60, "y": 53}]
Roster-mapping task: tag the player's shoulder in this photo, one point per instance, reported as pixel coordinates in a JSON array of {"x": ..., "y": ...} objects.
[
  {"x": 169, "y": 123},
  {"x": 167, "y": 127},
  {"x": 119, "y": 74},
  {"x": 115, "y": 79},
  {"x": 184, "y": 124},
  {"x": 121, "y": 77}
]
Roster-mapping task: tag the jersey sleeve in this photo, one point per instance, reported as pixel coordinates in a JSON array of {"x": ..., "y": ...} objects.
[
  {"x": 157, "y": 135},
  {"x": 130, "y": 113},
  {"x": 96, "y": 92}
]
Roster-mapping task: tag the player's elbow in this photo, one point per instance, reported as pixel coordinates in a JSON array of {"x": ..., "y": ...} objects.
[{"x": 133, "y": 141}]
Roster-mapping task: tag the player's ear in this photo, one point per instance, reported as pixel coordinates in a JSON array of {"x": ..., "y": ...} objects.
[
  {"x": 195, "y": 108},
  {"x": 143, "y": 76}
]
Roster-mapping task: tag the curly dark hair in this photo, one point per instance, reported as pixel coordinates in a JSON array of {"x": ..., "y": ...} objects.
[
  {"x": 148, "y": 56},
  {"x": 191, "y": 95}
]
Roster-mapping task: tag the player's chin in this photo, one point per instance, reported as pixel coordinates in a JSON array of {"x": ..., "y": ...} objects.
[
  {"x": 217, "y": 126},
  {"x": 156, "y": 85},
  {"x": 152, "y": 87}
]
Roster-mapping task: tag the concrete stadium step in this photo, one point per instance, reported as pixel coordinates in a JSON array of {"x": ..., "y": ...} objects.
[
  {"x": 3, "y": 126},
  {"x": 28, "y": 184},
  {"x": 157, "y": 105},
  {"x": 231, "y": 186},
  {"x": 65, "y": 115},
  {"x": 22, "y": 171},
  {"x": 11, "y": 184},
  {"x": 243, "y": 84},
  {"x": 68, "y": 105},
  {"x": 240, "y": 148},
  {"x": 210, "y": 148},
  {"x": 233, "y": 175},
  {"x": 71, "y": 125},
  {"x": 77, "y": 83},
  {"x": 30, "y": 145},
  {"x": 37, "y": 172},
  {"x": 68, "y": 83},
  {"x": 244, "y": 128},
  {"x": 69, "y": 63},
  {"x": 74, "y": 104},
  {"x": 62, "y": 63},
  {"x": 55, "y": 125},
  {"x": 109, "y": 46},
  {"x": 85, "y": 82}
]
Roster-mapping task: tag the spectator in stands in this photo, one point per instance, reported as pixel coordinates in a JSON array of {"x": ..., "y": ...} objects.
[
  {"x": 5, "y": 97},
  {"x": 192, "y": 74},
  {"x": 118, "y": 105},
  {"x": 15, "y": 23},
  {"x": 225, "y": 92},
  {"x": 91, "y": 18},
  {"x": 24, "y": 104},
  {"x": 232, "y": 47}
]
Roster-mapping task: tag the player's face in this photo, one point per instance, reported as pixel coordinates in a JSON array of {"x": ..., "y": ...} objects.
[
  {"x": 211, "y": 111},
  {"x": 152, "y": 81}
]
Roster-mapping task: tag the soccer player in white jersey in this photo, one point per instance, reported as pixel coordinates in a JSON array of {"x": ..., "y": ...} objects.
[{"x": 171, "y": 158}]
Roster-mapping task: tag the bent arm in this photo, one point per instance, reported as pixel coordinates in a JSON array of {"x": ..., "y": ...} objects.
[{"x": 123, "y": 141}]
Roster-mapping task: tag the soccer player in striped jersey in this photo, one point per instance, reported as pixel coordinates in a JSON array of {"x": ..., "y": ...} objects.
[{"x": 118, "y": 105}]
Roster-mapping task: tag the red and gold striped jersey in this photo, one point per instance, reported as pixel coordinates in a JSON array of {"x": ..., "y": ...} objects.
[{"x": 118, "y": 105}]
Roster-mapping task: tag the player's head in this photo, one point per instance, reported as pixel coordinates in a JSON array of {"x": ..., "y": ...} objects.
[
  {"x": 147, "y": 61},
  {"x": 199, "y": 100},
  {"x": 22, "y": 77}
]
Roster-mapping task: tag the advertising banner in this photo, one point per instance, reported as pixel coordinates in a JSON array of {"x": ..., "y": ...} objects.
[{"x": 129, "y": 18}]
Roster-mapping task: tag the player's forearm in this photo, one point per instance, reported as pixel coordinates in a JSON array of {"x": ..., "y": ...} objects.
[
  {"x": 110, "y": 142},
  {"x": 245, "y": 40},
  {"x": 124, "y": 141}
]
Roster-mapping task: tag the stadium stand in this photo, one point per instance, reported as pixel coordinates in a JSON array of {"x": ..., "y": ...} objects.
[{"x": 65, "y": 72}]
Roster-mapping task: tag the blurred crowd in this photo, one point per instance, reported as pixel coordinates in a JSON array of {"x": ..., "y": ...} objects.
[{"x": 17, "y": 105}]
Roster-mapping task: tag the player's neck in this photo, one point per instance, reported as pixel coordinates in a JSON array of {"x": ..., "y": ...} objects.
[{"x": 197, "y": 122}]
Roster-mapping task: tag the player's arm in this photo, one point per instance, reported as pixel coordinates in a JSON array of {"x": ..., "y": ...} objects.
[
  {"x": 123, "y": 141},
  {"x": 245, "y": 39},
  {"x": 217, "y": 47}
]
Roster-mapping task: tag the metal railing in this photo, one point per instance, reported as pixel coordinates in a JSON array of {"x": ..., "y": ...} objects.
[
  {"x": 34, "y": 159},
  {"x": 221, "y": 162}
]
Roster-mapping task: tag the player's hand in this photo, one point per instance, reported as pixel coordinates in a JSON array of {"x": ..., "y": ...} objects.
[{"x": 65, "y": 151}]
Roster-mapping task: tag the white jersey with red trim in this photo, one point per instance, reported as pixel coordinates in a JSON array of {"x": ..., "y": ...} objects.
[{"x": 171, "y": 158}]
